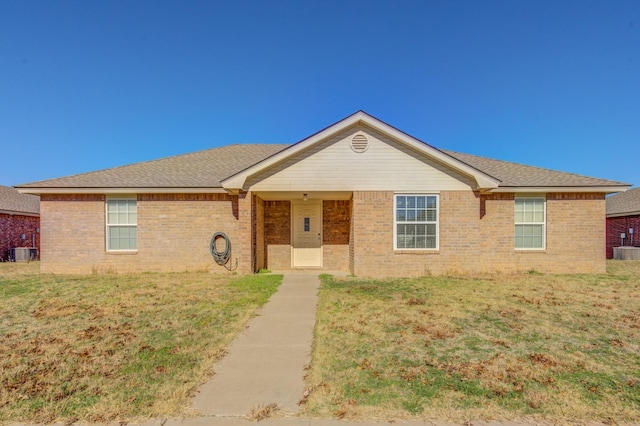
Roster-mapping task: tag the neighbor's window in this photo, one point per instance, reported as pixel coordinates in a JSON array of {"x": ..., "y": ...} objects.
[
  {"x": 122, "y": 221},
  {"x": 530, "y": 223},
  {"x": 416, "y": 221}
]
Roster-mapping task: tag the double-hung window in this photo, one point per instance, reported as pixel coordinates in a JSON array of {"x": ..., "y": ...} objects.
[
  {"x": 416, "y": 222},
  {"x": 122, "y": 225},
  {"x": 530, "y": 218}
]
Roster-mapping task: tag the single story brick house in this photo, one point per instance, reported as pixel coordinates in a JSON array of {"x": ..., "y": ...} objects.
[
  {"x": 358, "y": 196},
  {"x": 623, "y": 218},
  {"x": 19, "y": 221}
]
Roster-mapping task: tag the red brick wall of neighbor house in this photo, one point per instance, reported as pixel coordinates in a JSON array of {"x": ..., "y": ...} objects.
[
  {"x": 12, "y": 227},
  {"x": 619, "y": 225}
]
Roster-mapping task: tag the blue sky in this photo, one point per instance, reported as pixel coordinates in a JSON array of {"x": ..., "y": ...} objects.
[{"x": 87, "y": 85}]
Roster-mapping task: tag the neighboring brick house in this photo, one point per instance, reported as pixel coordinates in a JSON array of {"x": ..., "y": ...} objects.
[
  {"x": 623, "y": 217},
  {"x": 358, "y": 196},
  {"x": 19, "y": 221}
]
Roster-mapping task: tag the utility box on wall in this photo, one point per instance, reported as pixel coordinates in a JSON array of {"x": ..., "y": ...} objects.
[
  {"x": 626, "y": 253},
  {"x": 24, "y": 254}
]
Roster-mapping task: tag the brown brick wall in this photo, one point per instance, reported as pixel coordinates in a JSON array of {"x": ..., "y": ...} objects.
[
  {"x": 336, "y": 221},
  {"x": 336, "y": 231},
  {"x": 12, "y": 227},
  {"x": 277, "y": 222},
  {"x": 477, "y": 235},
  {"x": 259, "y": 244},
  {"x": 277, "y": 230},
  {"x": 174, "y": 232}
]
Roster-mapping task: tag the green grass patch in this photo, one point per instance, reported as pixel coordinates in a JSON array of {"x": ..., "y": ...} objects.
[
  {"x": 536, "y": 346},
  {"x": 103, "y": 348}
]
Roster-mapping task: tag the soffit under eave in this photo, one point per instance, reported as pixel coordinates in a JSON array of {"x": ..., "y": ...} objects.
[
  {"x": 557, "y": 189},
  {"x": 121, "y": 190},
  {"x": 238, "y": 181}
]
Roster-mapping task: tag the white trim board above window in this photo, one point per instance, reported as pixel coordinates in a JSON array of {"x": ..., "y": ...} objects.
[
  {"x": 121, "y": 224},
  {"x": 530, "y": 223},
  {"x": 415, "y": 223}
]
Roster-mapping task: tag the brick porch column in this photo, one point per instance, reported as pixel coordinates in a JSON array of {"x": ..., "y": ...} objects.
[{"x": 242, "y": 249}]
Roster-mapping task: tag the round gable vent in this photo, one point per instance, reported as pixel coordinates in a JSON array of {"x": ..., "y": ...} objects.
[{"x": 359, "y": 143}]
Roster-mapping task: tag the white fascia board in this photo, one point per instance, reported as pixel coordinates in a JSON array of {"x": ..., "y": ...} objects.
[
  {"x": 542, "y": 189},
  {"x": 634, "y": 213},
  {"x": 484, "y": 181},
  {"x": 18, "y": 213},
  {"x": 187, "y": 190}
]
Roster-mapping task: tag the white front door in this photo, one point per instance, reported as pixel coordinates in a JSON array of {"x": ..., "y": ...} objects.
[{"x": 306, "y": 247}]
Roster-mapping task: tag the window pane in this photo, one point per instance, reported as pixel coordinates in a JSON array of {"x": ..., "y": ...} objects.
[
  {"x": 538, "y": 216},
  {"x": 529, "y": 210},
  {"x": 529, "y": 236},
  {"x": 122, "y": 237},
  {"x": 416, "y": 217}
]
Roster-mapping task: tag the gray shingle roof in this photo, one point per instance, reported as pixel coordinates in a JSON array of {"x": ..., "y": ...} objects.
[
  {"x": 205, "y": 169},
  {"x": 202, "y": 169},
  {"x": 519, "y": 175},
  {"x": 12, "y": 201},
  {"x": 624, "y": 204}
]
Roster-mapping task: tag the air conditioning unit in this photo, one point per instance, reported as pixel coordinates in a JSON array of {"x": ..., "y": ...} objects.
[{"x": 23, "y": 254}]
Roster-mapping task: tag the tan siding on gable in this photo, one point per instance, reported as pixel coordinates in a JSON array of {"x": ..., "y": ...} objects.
[{"x": 385, "y": 166}]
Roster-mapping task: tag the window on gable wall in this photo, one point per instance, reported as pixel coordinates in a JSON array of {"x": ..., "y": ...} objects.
[
  {"x": 530, "y": 221},
  {"x": 416, "y": 222},
  {"x": 122, "y": 225}
]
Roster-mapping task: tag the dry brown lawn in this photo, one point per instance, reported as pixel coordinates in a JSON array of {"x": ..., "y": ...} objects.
[
  {"x": 561, "y": 349},
  {"x": 102, "y": 348}
]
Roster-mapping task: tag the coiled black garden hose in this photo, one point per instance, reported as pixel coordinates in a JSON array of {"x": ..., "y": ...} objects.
[{"x": 221, "y": 257}]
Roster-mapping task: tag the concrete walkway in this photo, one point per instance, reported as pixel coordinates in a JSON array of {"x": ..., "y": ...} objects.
[{"x": 265, "y": 364}]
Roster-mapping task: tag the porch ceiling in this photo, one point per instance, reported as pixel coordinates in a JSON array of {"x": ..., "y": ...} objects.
[{"x": 299, "y": 195}]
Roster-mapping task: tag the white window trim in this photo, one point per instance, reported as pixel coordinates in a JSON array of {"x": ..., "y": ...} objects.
[
  {"x": 395, "y": 222},
  {"x": 544, "y": 224},
  {"x": 107, "y": 225}
]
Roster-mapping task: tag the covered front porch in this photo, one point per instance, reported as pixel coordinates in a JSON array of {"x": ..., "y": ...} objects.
[{"x": 302, "y": 230}]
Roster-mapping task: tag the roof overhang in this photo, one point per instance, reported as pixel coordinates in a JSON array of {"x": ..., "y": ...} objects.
[
  {"x": 237, "y": 182},
  {"x": 19, "y": 213},
  {"x": 144, "y": 190},
  {"x": 573, "y": 189},
  {"x": 634, "y": 213}
]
